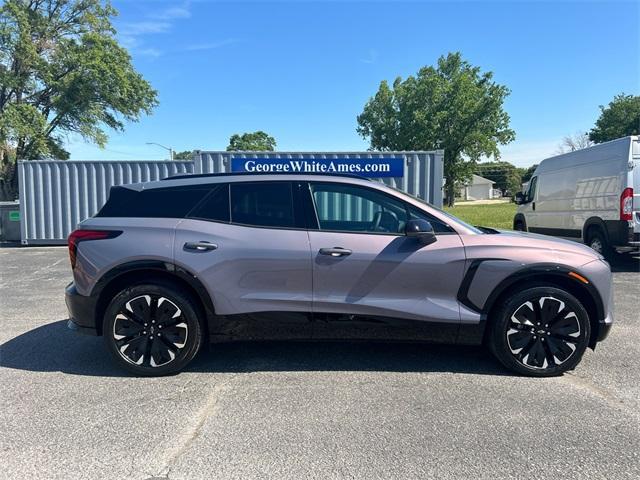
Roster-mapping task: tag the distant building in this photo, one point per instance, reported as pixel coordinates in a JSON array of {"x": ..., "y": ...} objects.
[{"x": 479, "y": 188}]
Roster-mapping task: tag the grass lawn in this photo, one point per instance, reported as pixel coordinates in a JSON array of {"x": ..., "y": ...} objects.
[{"x": 499, "y": 215}]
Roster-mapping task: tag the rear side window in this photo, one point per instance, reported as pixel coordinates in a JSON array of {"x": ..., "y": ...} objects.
[
  {"x": 263, "y": 204},
  {"x": 172, "y": 202},
  {"x": 215, "y": 207}
]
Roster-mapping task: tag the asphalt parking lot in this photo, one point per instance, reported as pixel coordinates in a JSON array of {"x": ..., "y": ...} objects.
[{"x": 303, "y": 410}]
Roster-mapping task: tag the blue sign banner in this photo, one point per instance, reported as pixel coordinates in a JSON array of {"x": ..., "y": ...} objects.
[{"x": 365, "y": 167}]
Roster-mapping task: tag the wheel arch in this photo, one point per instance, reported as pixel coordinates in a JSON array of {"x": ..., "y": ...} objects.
[
  {"x": 558, "y": 277},
  {"x": 137, "y": 272},
  {"x": 594, "y": 222},
  {"x": 520, "y": 218}
]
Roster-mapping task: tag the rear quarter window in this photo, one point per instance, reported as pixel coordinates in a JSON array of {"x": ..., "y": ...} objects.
[{"x": 172, "y": 202}]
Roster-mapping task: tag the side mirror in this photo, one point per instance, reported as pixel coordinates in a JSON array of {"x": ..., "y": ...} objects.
[
  {"x": 519, "y": 198},
  {"x": 420, "y": 229}
]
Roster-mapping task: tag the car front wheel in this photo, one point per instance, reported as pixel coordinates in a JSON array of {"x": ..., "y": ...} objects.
[
  {"x": 540, "y": 331},
  {"x": 152, "y": 330}
]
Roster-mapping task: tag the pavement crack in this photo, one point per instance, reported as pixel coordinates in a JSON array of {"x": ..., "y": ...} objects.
[
  {"x": 184, "y": 441},
  {"x": 600, "y": 392}
]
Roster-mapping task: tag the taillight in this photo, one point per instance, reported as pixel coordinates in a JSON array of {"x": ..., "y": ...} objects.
[
  {"x": 78, "y": 236},
  {"x": 626, "y": 204}
]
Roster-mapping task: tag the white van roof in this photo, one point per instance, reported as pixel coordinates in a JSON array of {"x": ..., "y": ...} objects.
[{"x": 619, "y": 148}]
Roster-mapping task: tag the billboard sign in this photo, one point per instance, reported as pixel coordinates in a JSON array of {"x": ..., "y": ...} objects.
[{"x": 365, "y": 167}]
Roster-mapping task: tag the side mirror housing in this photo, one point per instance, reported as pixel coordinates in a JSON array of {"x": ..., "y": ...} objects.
[
  {"x": 421, "y": 230},
  {"x": 519, "y": 198}
]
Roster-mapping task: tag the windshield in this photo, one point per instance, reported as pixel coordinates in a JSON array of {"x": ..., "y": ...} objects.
[{"x": 441, "y": 211}]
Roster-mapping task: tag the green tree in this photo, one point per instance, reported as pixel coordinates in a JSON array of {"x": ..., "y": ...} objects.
[
  {"x": 62, "y": 72},
  {"x": 506, "y": 176},
  {"x": 254, "y": 141},
  {"x": 184, "y": 155},
  {"x": 619, "y": 119},
  {"x": 528, "y": 173},
  {"x": 452, "y": 106}
]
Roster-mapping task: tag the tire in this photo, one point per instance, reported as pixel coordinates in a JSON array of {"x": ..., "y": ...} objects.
[
  {"x": 530, "y": 333},
  {"x": 598, "y": 242},
  {"x": 152, "y": 345},
  {"x": 519, "y": 227}
]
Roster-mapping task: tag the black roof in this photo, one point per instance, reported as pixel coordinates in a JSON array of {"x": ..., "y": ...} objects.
[{"x": 234, "y": 174}]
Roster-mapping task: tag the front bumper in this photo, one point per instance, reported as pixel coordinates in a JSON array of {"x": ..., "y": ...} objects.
[
  {"x": 81, "y": 311},
  {"x": 604, "y": 328}
]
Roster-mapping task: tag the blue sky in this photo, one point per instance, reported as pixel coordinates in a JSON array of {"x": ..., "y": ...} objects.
[{"x": 302, "y": 71}]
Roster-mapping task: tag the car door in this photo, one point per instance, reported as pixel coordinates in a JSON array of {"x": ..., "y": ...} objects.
[
  {"x": 247, "y": 245},
  {"x": 372, "y": 281}
]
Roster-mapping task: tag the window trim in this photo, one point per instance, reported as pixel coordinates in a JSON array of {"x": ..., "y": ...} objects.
[
  {"x": 301, "y": 191},
  {"x": 297, "y": 195},
  {"x": 406, "y": 206}
]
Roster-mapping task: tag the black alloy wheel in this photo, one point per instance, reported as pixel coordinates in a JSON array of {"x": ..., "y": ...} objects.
[
  {"x": 152, "y": 329},
  {"x": 542, "y": 331}
]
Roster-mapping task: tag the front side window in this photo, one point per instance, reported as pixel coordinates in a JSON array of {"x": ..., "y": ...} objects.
[
  {"x": 351, "y": 208},
  {"x": 438, "y": 225},
  {"x": 531, "y": 192},
  {"x": 262, "y": 204}
]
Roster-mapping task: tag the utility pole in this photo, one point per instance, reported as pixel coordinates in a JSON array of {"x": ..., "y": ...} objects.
[{"x": 162, "y": 146}]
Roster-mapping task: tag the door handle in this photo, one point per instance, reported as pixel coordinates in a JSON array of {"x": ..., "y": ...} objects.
[
  {"x": 533, "y": 206},
  {"x": 335, "y": 251},
  {"x": 202, "y": 246}
]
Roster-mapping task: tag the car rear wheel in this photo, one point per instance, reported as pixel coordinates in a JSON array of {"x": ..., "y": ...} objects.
[
  {"x": 152, "y": 330},
  {"x": 541, "y": 332}
]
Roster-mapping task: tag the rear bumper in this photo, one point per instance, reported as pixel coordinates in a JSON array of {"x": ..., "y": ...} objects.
[
  {"x": 621, "y": 234},
  {"x": 81, "y": 311}
]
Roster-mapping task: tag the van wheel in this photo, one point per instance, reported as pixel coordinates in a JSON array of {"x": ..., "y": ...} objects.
[
  {"x": 540, "y": 332},
  {"x": 598, "y": 242},
  {"x": 152, "y": 330},
  {"x": 519, "y": 227}
]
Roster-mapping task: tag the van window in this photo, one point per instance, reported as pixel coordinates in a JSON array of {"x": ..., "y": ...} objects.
[
  {"x": 263, "y": 204},
  {"x": 531, "y": 193}
]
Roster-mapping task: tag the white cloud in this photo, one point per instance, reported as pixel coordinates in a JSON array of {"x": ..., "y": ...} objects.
[
  {"x": 144, "y": 27},
  {"x": 172, "y": 13},
  {"x": 149, "y": 52},
  {"x": 131, "y": 34},
  {"x": 371, "y": 58},
  {"x": 210, "y": 45}
]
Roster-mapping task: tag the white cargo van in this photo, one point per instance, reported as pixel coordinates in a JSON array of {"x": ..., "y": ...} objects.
[{"x": 590, "y": 195}]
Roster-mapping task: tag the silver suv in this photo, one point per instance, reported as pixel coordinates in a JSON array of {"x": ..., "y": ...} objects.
[{"x": 166, "y": 265}]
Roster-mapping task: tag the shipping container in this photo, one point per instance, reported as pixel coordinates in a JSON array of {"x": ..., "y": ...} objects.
[{"x": 56, "y": 195}]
